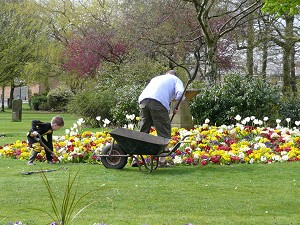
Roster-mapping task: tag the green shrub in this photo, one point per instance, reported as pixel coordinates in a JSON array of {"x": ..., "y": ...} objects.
[
  {"x": 246, "y": 96},
  {"x": 58, "y": 99},
  {"x": 89, "y": 104},
  {"x": 208, "y": 104},
  {"x": 39, "y": 102},
  {"x": 126, "y": 103},
  {"x": 290, "y": 108}
]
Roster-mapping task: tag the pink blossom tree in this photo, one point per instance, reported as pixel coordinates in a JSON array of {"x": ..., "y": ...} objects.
[{"x": 85, "y": 54}]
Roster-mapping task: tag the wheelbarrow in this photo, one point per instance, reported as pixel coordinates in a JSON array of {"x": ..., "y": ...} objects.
[{"x": 128, "y": 143}]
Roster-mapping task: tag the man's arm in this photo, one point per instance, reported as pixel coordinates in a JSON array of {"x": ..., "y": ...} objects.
[{"x": 179, "y": 94}]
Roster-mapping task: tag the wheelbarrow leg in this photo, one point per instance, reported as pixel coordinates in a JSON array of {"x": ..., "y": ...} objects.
[
  {"x": 152, "y": 164},
  {"x": 145, "y": 164},
  {"x": 137, "y": 160},
  {"x": 157, "y": 160}
]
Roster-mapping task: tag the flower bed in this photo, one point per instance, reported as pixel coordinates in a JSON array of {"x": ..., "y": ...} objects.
[{"x": 221, "y": 145}]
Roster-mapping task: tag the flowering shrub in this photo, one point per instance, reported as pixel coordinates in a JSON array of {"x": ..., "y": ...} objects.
[{"x": 248, "y": 141}]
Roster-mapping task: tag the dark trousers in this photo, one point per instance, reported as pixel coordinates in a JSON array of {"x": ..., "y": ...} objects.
[{"x": 153, "y": 113}]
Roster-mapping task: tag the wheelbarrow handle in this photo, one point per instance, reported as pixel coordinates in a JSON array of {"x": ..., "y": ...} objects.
[{"x": 177, "y": 145}]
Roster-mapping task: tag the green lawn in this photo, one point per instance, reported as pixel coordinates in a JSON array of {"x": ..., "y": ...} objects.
[
  {"x": 237, "y": 194},
  {"x": 213, "y": 194}
]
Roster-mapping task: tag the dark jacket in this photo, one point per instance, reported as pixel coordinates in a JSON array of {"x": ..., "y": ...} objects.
[{"x": 43, "y": 129}]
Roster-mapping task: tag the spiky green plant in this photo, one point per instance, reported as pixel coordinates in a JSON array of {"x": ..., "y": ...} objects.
[{"x": 64, "y": 214}]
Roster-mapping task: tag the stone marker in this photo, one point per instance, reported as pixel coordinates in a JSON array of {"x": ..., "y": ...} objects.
[
  {"x": 17, "y": 110},
  {"x": 183, "y": 118}
]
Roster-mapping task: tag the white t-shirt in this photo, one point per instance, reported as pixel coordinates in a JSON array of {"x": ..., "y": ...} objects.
[{"x": 163, "y": 88}]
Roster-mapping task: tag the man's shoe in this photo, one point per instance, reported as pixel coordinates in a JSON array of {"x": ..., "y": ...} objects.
[
  {"x": 51, "y": 162},
  {"x": 30, "y": 163}
]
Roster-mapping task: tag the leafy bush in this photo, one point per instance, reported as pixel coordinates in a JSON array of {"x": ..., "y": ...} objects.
[
  {"x": 290, "y": 108},
  {"x": 126, "y": 103},
  {"x": 246, "y": 96},
  {"x": 91, "y": 103},
  {"x": 58, "y": 99},
  {"x": 39, "y": 102}
]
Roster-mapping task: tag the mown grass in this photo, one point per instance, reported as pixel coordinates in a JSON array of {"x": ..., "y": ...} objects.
[
  {"x": 236, "y": 194},
  {"x": 214, "y": 194}
]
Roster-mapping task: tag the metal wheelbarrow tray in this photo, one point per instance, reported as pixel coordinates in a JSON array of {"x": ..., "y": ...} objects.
[{"x": 128, "y": 143}]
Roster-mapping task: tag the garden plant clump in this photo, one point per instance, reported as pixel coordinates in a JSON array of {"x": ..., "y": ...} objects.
[{"x": 248, "y": 141}]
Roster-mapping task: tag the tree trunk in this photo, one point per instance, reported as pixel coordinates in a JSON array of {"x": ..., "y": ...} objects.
[
  {"x": 11, "y": 95},
  {"x": 265, "y": 48},
  {"x": 287, "y": 50},
  {"x": 250, "y": 46},
  {"x": 2, "y": 97},
  {"x": 264, "y": 60},
  {"x": 293, "y": 72},
  {"x": 212, "y": 62},
  {"x": 286, "y": 70}
]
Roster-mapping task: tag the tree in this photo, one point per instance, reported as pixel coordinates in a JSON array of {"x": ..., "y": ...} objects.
[
  {"x": 285, "y": 37},
  {"x": 233, "y": 14},
  {"x": 190, "y": 34},
  {"x": 159, "y": 30},
  {"x": 84, "y": 54},
  {"x": 74, "y": 26},
  {"x": 20, "y": 42},
  {"x": 286, "y": 40},
  {"x": 281, "y": 7}
]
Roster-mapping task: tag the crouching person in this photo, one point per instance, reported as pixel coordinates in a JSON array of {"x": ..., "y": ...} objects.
[{"x": 43, "y": 129}]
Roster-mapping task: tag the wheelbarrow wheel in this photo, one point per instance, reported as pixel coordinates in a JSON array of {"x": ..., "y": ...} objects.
[{"x": 114, "y": 161}]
